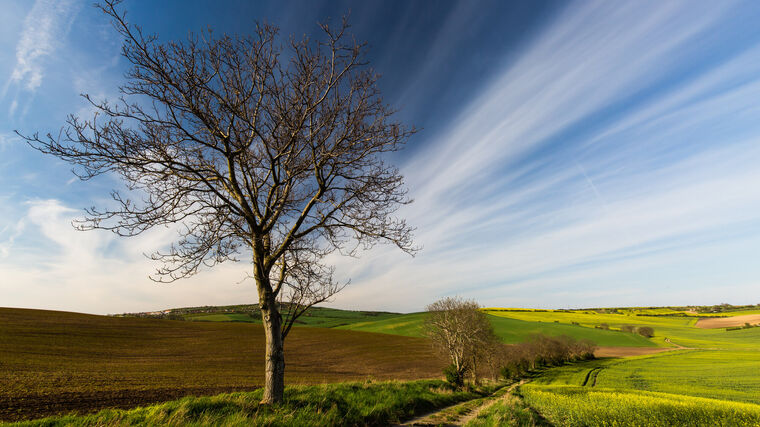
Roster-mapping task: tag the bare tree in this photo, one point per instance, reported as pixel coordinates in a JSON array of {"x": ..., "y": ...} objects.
[
  {"x": 461, "y": 332},
  {"x": 261, "y": 149}
]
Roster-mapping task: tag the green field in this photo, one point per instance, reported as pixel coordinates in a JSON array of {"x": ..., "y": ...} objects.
[
  {"x": 409, "y": 325},
  {"x": 321, "y": 317},
  {"x": 679, "y": 330},
  {"x": 718, "y": 384},
  {"x": 686, "y": 387},
  {"x": 672, "y": 327},
  {"x": 729, "y": 375},
  {"x": 508, "y": 329},
  {"x": 584, "y": 406}
]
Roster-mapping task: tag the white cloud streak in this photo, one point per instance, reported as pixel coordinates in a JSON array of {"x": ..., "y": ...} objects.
[
  {"x": 44, "y": 28},
  {"x": 513, "y": 208},
  {"x": 591, "y": 171}
]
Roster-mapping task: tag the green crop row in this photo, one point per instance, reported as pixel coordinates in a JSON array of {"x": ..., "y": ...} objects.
[
  {"x": 586, "y": 406},
  {"x": 729, "y": 375}
]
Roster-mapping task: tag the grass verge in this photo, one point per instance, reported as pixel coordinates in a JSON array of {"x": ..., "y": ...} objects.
[
  {"x": 366, "y": 403},
  {"x": 510, "y": 410}
]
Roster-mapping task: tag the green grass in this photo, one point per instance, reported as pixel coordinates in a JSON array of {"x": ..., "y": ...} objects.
[
  {"x": 517, "y": 325},
  {"x": 232, "y": 317},
  {"x": 508, "y": 329},
  {"x": 409, "y": 325},
  {"x": 685, "y": 387},
  {"x": 586, "y": 406},
  {"x": 321, "y": 317},
  {"x": 678, "y": 329},
  {"x": 332, "y": 404},
  {"x": 728, "y": 375},
  {"x": 509, "y": 410},
  {"x": 515, "y": 330}
]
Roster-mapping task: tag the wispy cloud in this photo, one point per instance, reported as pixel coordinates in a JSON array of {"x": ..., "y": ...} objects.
[
  {"x": 612, "y": 160},
  {"x": 44, "y": 27},
  {"x": 607, "y": 149}
]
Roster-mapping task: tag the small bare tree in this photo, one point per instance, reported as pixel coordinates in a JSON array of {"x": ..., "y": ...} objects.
[
  {"x": 267, "y": 150},
  {"x": 461, "y": 332}
]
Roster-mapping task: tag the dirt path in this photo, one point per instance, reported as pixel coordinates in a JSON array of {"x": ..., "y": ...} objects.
[
  {"x": 461, "y": 413},
  {"x": 474, "y": 413},
  {"x": 678, "y": 346}
]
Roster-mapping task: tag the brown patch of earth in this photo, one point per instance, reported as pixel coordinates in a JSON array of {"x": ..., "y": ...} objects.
[
  {"x": 56, "y": 362},
  {"x": 628, "y": 351},
  {"x": 727, "y": 322}
]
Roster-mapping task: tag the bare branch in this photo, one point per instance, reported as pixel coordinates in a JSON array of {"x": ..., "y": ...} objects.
[{"x": 248, "y": 153}]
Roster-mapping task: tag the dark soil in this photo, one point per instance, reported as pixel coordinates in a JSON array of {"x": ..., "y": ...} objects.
[{"x": 56, "y": 362}]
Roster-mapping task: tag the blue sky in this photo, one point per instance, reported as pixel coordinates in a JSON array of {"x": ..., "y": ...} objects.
[{"x": 572, "y": 154}]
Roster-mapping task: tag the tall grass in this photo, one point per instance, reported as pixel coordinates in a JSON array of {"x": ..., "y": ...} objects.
[
  {"x": 718, "y": 374},
  {"x": 510, "y": 410},
  {"x": 584, "y": 406},
  {"x": 331, "y": 404}
]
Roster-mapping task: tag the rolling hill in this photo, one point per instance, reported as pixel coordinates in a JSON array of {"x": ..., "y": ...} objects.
[{"x": 53, "y": 362}]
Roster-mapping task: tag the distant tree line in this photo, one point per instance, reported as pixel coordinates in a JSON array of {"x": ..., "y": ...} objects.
[
  {"x": 541, "y": 351},
  {"x": 747, "y": 325}
]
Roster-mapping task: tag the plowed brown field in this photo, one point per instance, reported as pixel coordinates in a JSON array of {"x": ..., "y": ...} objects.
[
  {"x": 727, "y": 322},
  {"x": 56, "y": 362}
]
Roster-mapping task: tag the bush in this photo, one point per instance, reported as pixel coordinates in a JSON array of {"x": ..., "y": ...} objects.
[
  {"x": 645, "y": 331},
  {"x": 540, "y": 351},
  {"x": 454, "y": 376},
  {"x": 604, "y": 326},
  {"x": 628, "y": 328}
]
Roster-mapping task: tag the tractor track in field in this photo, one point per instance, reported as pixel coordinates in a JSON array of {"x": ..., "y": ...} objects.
[
  {"x": 487, "y": 404},
  {"x": 461, "y": 413},
  {"x": 591, "y": 377}
]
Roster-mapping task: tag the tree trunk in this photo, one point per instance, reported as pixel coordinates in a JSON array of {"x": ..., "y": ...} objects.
[{"x": 274, "y": 371}]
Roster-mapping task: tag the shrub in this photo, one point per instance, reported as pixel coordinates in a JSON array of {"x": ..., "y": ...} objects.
[
  {"x": 628, "y": 328},
  {"x": 540, "y": 351},
  {"x": 645, "y": 331},
  {"x": 454, "y": 376}
]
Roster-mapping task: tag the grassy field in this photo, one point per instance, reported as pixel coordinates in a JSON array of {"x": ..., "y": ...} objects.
[
  {"x": 408, "y": 325},
  {"x": 53, "y": 362},
  {"x": 508, "y": 329},
  {"x": 585, "y": 406},
  {"x": 672, "y": 327},
  {"x": 321, "y": 317},
  {"x": 685, "y": 387},
  {"x": 728, "y": 375},
  {"x": 679, "y": 330},
  {"x": 366, "y": 403}
]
